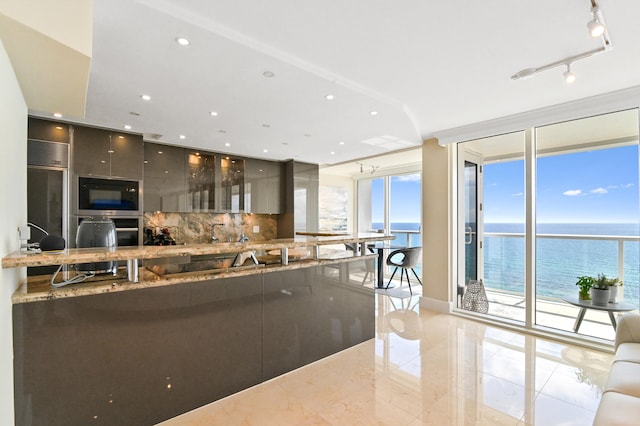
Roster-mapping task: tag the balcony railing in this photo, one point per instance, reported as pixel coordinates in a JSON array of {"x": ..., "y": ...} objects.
[{"x": 586, "y": 258}]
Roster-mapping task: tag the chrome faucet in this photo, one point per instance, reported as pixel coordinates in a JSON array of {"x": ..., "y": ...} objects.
[
  {"x": 215, "y": 239},
  {"x": 243, "y": 238}
]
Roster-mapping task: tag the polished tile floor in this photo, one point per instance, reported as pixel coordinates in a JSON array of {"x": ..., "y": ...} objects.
[{"x": 425, "y": 368}]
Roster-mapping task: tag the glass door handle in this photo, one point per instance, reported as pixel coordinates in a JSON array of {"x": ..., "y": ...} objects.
[{"x": 468, "y": 235}]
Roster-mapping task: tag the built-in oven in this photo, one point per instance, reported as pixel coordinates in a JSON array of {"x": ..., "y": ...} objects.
[{"x": 107, "y": 197}]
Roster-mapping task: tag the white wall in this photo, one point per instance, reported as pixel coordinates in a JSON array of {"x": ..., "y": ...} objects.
[{"x": 13, "y": 212}]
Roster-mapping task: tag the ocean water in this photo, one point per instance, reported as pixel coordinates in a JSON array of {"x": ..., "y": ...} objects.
[{"x": 558, "y": 262}]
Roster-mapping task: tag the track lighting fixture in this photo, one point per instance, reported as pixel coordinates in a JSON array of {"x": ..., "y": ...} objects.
[
  {"x": 569, "y": 77},
  {"x": 596, "y": 28}
]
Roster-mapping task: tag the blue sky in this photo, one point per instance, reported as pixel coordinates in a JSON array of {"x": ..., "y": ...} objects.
[
  {"x": 598, "y": 186},
  {"x": 405, "y": 199}
]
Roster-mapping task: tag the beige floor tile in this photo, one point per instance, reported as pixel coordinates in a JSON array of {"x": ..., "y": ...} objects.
[{"x": 424, "y": 368}]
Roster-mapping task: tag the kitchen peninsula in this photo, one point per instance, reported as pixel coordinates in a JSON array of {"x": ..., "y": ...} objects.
[{"x": 140, "y": 353}]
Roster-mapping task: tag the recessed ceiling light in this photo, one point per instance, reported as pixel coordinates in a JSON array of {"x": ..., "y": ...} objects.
[
  {"x": 59, "y": 127},
  {"x": 57, "y": 115},
  {"x": 227, "y": 144},
  {"x": 121, "y": 137},
  {"x": 265, "y": 150},
  {"x": 159, "y": 152},
  {"x": 103, "y": 161},
  {"x": 110, "y": 151},
  {"x": 126, "y": 126},
  {"x": 330, "y": 97},
  {"x": 183, "y": 41},
  {"x": 146, "y": 97},
  {"x": 213, "y": 114},
  {"x": 374, "y": 113},
  {"x": 166, "y": 171},
  {"x": 341, "y": 143},
  {"x": 183, "y": 137},
  {"x": 332, "y": 153},
  {"x": 268, "y": 74},
  {"x": 146, "y": 161}
]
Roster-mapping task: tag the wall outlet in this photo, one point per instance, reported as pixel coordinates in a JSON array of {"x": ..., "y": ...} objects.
[
  {"x": 24, "y": 232},
  {"x": 256, "y": 229}
]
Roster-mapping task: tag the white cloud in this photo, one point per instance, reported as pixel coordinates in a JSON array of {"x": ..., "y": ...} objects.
[
  {"x": 600, "y": 190},
  {"x": 518, "y": 194},
  {"x": 573, "y": 192},
  {"x": 627, "y": 185},
  {"x": 408, "y": 178}
]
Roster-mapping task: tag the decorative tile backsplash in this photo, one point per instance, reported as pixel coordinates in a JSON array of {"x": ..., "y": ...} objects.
[{"x": 193, "y": 228}]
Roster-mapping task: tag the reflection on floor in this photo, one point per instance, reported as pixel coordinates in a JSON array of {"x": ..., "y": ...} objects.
[{"x": 425, "y": 368}]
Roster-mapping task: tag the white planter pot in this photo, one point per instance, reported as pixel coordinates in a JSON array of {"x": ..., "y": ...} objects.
[
  {"x": 600, "y": 296},
  {"x": 613, "y": 297}
]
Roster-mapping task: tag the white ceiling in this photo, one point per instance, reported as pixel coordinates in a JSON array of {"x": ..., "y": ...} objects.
[{"x": 424, "y": 66}]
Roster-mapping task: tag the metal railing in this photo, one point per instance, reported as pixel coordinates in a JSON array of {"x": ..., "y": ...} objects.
[{"x": 621, "y": 239}]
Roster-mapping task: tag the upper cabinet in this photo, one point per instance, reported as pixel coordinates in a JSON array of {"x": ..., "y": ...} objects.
[
  {"x": 232, "y": 187},
  {"x": 263, "y": 186},
  {"x": 45, "y": 130},
  {"x": 164, "y": 178},
  {"x": 187, "y": 180},
  {"x": 98, "y": 152},
  {"x": 200, "y": 181}
]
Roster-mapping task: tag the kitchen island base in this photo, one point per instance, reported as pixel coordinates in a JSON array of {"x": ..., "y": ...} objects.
[{"x": 143, "y": 356}]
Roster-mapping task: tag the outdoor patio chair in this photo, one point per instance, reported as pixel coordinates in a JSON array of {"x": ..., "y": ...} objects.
[{"x": 404, "y": 258}]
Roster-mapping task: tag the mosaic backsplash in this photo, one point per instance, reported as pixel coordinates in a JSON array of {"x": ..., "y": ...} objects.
[{"x": 194, "y": 228}]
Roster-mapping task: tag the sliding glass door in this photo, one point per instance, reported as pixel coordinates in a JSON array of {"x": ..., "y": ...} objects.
[{"x": 579, "y": 183}]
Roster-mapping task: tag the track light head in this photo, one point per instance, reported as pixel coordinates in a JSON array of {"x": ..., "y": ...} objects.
[
  {"x": 596, "y": 28},
  {"x": 569, "y": 77}
]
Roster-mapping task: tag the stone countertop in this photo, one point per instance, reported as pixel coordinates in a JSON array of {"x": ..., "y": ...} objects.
[
  {"x": 88, "y": 255},
  {"x": 38, "y": 288}
]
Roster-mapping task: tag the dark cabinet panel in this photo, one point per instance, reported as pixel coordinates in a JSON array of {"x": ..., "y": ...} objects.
[
  {"x": 98, "y": 152},
  {"x": 263, "y": 186},
  {"x": 164, "y": 178},
  {"x": 45, "y": 130}
]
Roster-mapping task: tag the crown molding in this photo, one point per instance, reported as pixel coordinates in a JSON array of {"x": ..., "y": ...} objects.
[{"x": 595, "y": 105}]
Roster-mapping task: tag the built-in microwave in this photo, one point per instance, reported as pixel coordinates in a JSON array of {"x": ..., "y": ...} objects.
[{"x": 108, "y": 197}]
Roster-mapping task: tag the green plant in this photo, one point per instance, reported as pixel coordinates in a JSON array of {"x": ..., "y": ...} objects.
[
  {"x": 603, "y": 282},
  {"x": 585, "y": 283}
]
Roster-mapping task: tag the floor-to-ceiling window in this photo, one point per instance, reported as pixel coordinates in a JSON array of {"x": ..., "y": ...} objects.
[
  {"x": 392, "y": 204},
  {"x": 586, "y": 208},
  {"x": 581, "y": 180}
]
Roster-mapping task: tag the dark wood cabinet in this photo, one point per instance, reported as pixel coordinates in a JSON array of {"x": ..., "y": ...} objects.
[
  {"x": 164, "y": 178},
  {"x": 98, "y": 152}
]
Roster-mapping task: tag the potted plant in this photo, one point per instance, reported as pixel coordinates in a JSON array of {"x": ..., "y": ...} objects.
[
  {"x": 600, "y": 290},
  {"x": 585, "y": 283},
  {"x": 613, "y": 284}
]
